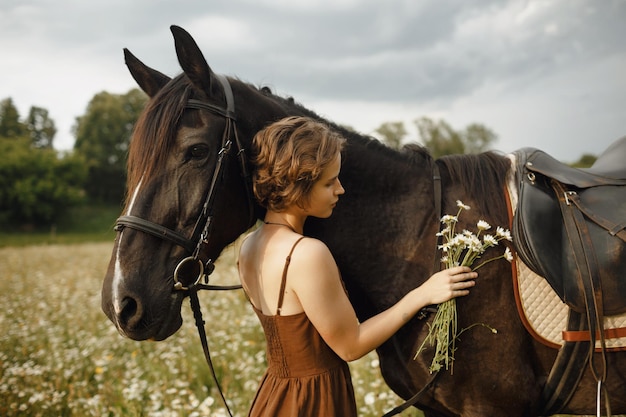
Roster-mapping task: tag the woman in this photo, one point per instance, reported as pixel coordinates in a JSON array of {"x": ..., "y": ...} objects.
[{"x": 295, "y": 287}]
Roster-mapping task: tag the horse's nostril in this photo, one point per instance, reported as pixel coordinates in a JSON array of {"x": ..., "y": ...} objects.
[{"x": 130, "y": 313}]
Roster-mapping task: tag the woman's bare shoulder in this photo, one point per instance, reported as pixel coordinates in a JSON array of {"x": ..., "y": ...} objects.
[
  {"x": 311, "y": 249},
  {"x": 313, "y": 263}
]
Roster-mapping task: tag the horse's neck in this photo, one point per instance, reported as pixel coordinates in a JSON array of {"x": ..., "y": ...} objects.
[
  {"x": 385, "y": 218},
  {"x": 387, "y": 179},
  {"x": 382, "y": 233}
]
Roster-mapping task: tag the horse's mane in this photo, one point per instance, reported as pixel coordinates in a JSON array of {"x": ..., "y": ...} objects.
[
  {"x": 155, "y": 131},
  {"x": 408, "y": 153},
  {"x": 482, "y": 175}
]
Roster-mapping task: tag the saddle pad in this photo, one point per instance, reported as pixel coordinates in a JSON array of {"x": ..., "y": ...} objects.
[{"x": 541, "y": 310}]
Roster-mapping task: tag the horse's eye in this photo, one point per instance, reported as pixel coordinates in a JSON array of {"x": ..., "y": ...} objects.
[{"x": 199, "y": 151}]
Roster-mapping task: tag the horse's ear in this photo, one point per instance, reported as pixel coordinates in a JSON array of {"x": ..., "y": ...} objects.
[
  {"x": 191, "y": 60},
  {"x": 149, "y": 80}
]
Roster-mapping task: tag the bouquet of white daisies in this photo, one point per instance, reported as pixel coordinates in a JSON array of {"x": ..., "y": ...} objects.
[{"x": 459, "y": 249}]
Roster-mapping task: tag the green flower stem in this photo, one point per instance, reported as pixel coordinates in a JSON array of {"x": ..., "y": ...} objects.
[
  {"x": 487, "y": 261},
  {"x": 442, "y": 332}
]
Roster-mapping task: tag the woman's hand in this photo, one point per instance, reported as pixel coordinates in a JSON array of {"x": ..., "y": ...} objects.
[{"x": 448, "y": 284}]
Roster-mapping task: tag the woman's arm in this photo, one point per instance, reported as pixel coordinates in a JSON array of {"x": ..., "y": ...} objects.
[{"x": 315, "y": 279}]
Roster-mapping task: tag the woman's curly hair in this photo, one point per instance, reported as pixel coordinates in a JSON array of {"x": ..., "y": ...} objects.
[{"x": 289, "y": 157}]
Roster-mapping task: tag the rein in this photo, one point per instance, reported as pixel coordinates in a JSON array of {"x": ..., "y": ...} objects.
[
  {"x": 191, "y": 271},
  {"x": 426, "y": 311}
]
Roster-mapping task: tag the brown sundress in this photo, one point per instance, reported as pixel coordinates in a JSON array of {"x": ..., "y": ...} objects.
[{"x": 305, "y": 377}]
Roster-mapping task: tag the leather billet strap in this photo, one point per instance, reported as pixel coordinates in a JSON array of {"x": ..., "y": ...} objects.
[
  {"x": 589, "y": 277},
  {"x": 614, "y": 228},
  {"x": 587, "y": 266}
]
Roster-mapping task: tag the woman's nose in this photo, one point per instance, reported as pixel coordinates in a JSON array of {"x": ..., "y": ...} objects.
[{"x": 340, "y": 189}]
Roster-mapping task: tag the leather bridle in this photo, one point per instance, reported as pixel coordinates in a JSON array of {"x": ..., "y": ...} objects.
[
  {"x": 190, "y": 271},
  {"x": 200, "y": 236}
]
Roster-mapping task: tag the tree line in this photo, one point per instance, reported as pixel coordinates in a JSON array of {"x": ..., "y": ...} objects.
[
  {"x": 38, "y": 184},
  {"x": 439, "y": 137}
]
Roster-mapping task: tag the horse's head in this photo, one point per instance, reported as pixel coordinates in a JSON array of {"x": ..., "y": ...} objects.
[{"x": 187, "y": 198}]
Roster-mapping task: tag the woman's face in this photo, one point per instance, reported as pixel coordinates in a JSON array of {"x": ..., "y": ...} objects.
[{"x": 326, "y": 191}]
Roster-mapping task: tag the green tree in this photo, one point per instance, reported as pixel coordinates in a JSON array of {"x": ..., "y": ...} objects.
[
  {"x": 10, "y": 125},
  {"x": 102, "y": 138},
  {"x": 36, "y": 186},
  {"x": 392, "y": 133},
  {"x": 441, "y": 139},
  {"x": 40, "y": 127},
  {"x": 478, "y": 138},
  {"x": 585, "y": 161}
]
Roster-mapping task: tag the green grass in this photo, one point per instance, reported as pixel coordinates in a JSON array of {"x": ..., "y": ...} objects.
[
  {"x": 86, "y": 223},
  {"x": 60, "y": 356}
]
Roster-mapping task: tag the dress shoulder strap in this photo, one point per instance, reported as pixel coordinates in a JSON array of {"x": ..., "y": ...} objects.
[{"x": 283, "y": 283}]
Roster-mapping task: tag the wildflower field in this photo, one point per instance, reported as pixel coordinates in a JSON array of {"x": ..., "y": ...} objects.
[{"x": 60, "y": 356}]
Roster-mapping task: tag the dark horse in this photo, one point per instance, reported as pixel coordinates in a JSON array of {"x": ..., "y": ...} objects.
[{"x": 382, "y": 235}]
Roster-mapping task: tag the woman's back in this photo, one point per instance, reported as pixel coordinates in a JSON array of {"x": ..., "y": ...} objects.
[
  {"x": 305, "y": 377},
  {"x": 262, "y": 265}
]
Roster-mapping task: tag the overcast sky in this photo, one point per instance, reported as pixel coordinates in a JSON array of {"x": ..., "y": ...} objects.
[{"x": 547, "y": 74}]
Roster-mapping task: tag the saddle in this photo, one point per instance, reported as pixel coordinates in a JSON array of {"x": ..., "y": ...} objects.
[
  {"x": 570, "y": 228},
  {"x": 570, "y": 224}
]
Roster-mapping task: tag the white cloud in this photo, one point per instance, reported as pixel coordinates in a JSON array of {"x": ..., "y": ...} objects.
[
  {"x": 222, "y": 33},
  {"x": 545, "y": 73}
]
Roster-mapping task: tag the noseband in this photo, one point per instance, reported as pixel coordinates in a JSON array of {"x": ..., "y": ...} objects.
[{"x": 190, "y": 270}]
